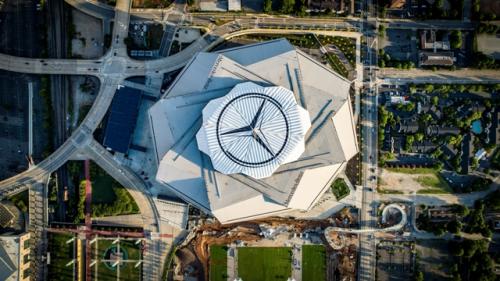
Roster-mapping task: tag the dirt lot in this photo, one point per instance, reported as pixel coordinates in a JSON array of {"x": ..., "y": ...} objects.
[
  {"x": 424, "y": 181},
  {"x": 434, "y": 258},
  {"x": 490, "y": 6},
  {"x": 399, "y": 181},
  {"x": 489, "y": 44},
  {"x": 89, "y": 36}
]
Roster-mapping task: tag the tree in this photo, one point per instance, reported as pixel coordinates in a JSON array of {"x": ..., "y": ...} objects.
[
  {"x": 287, "y": 6},
  {"x": 129, "y": 42},
  {"x": 413, "y": 88},
  {"x": 429, "y": 88},
  {"x": 435, "y": 100},
  {"x": 460, "y": 210},
  {"x": 381, "y": 30},
  {"x": 426, "y": 118},
  {"x": 409, "y": 142},
  {"x": 456, "y": 39},
  {"x": 438, "y": 231},
  {"x": 419, "y": 276},
  {"x": 419, "y": 137},
  {"x": 409, "y": 107},
  {"x": 268, "y": 6},
  {"x": 454, "y": 226}
]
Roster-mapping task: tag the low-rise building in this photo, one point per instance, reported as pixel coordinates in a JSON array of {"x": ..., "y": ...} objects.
[
  {"x": 6, "y": 216},
  {"x": 428, "y": 40},
  {"x": 14, "y": 257},
  {"x": 436, "y": 59}
]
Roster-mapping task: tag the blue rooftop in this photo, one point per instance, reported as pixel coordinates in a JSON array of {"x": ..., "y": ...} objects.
[{"x": 122, "y": 119}]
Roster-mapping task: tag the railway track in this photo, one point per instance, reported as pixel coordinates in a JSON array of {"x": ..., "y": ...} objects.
[{"x": 59, "y": 89}]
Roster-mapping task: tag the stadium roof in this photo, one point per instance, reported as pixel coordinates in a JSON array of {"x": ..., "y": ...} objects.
[
  {"x": 253, "y": 130},
  {"x": 176, "y": 119},
  {"x": 122, "y": 119}
]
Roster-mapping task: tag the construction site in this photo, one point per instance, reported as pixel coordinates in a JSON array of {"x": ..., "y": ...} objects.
[{"x": 333, "y": 258}]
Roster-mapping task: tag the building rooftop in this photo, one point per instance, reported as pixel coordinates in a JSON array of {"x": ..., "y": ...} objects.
[
  {"x": 177, "y": 117},
  {"x": 253, "y": 130},
  {"x": 436, "y": 58},
  {"x": 6, "y": 216},
  {"x": 122, "y": 119}
]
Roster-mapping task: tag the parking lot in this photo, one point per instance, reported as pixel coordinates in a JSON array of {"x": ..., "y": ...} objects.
[{"x": 400, "y": 44}]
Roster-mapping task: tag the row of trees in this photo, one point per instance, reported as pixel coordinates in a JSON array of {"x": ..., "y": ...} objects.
[
  {"x": 472, "y": 260},
  {"x": 385, "y": 60},
  {"x": 447, "y": 88},
  {"x": 469, "y": 221}
]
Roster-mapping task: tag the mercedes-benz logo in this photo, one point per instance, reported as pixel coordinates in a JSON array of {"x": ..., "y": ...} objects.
[{"x": 264, "y": 124}]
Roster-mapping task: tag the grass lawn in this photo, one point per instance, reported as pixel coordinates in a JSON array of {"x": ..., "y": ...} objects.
[
  {"x": 435, "y": 184},
  {"x": 21, "y": 201},
  {"x": 60, "y": 254},
  {"x": 264, "y": 264},
  {"x": 134, "y": 251},
  {"x": 128, "y": 271},
  {"x": 102, "y": 190},
  {"x": 340, "y": 188},
  {"x": 218, "y": 263},
  {"x": 313, "y": 262},
  {"x": 109, "y": 198},
  {"x": 389, "y": 191},
  {"x": 412, "y": 170}
]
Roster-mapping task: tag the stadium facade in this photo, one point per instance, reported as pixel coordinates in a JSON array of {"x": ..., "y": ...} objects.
[{"x": 253, "y": 131}]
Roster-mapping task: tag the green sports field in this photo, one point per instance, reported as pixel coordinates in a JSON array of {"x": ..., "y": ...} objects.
[
  {"x": 218, "y": 263},
  {"x": 313, "y": 262},
  {"x": 61, "y": 253},
  {"x": 264, "y": 264}
]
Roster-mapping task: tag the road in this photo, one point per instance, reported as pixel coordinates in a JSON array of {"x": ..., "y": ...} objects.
[
  {"x": 369, "y": 121},
  {"x": 398, "y": 76}
]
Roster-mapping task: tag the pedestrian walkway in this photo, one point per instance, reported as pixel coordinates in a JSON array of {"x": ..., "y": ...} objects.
[
  {"x": 232, "y": 263},
  {"x": 297, "y": 262}
]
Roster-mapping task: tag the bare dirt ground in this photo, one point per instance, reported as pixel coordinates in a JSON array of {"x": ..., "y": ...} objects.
[
  {"x": 406, "y": 183},
  {"x": 80, "y": 98},
  {"x": 489, "y": 44},
  {"x": 89, "y": 36}
]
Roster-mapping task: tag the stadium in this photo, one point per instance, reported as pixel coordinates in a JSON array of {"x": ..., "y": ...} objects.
[{"x": 253, "y": 131}]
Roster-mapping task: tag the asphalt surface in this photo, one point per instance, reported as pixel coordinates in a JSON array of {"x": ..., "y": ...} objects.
[
  {"x": 367, "y": 243},
  {"x": 18, "y": 26}
]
